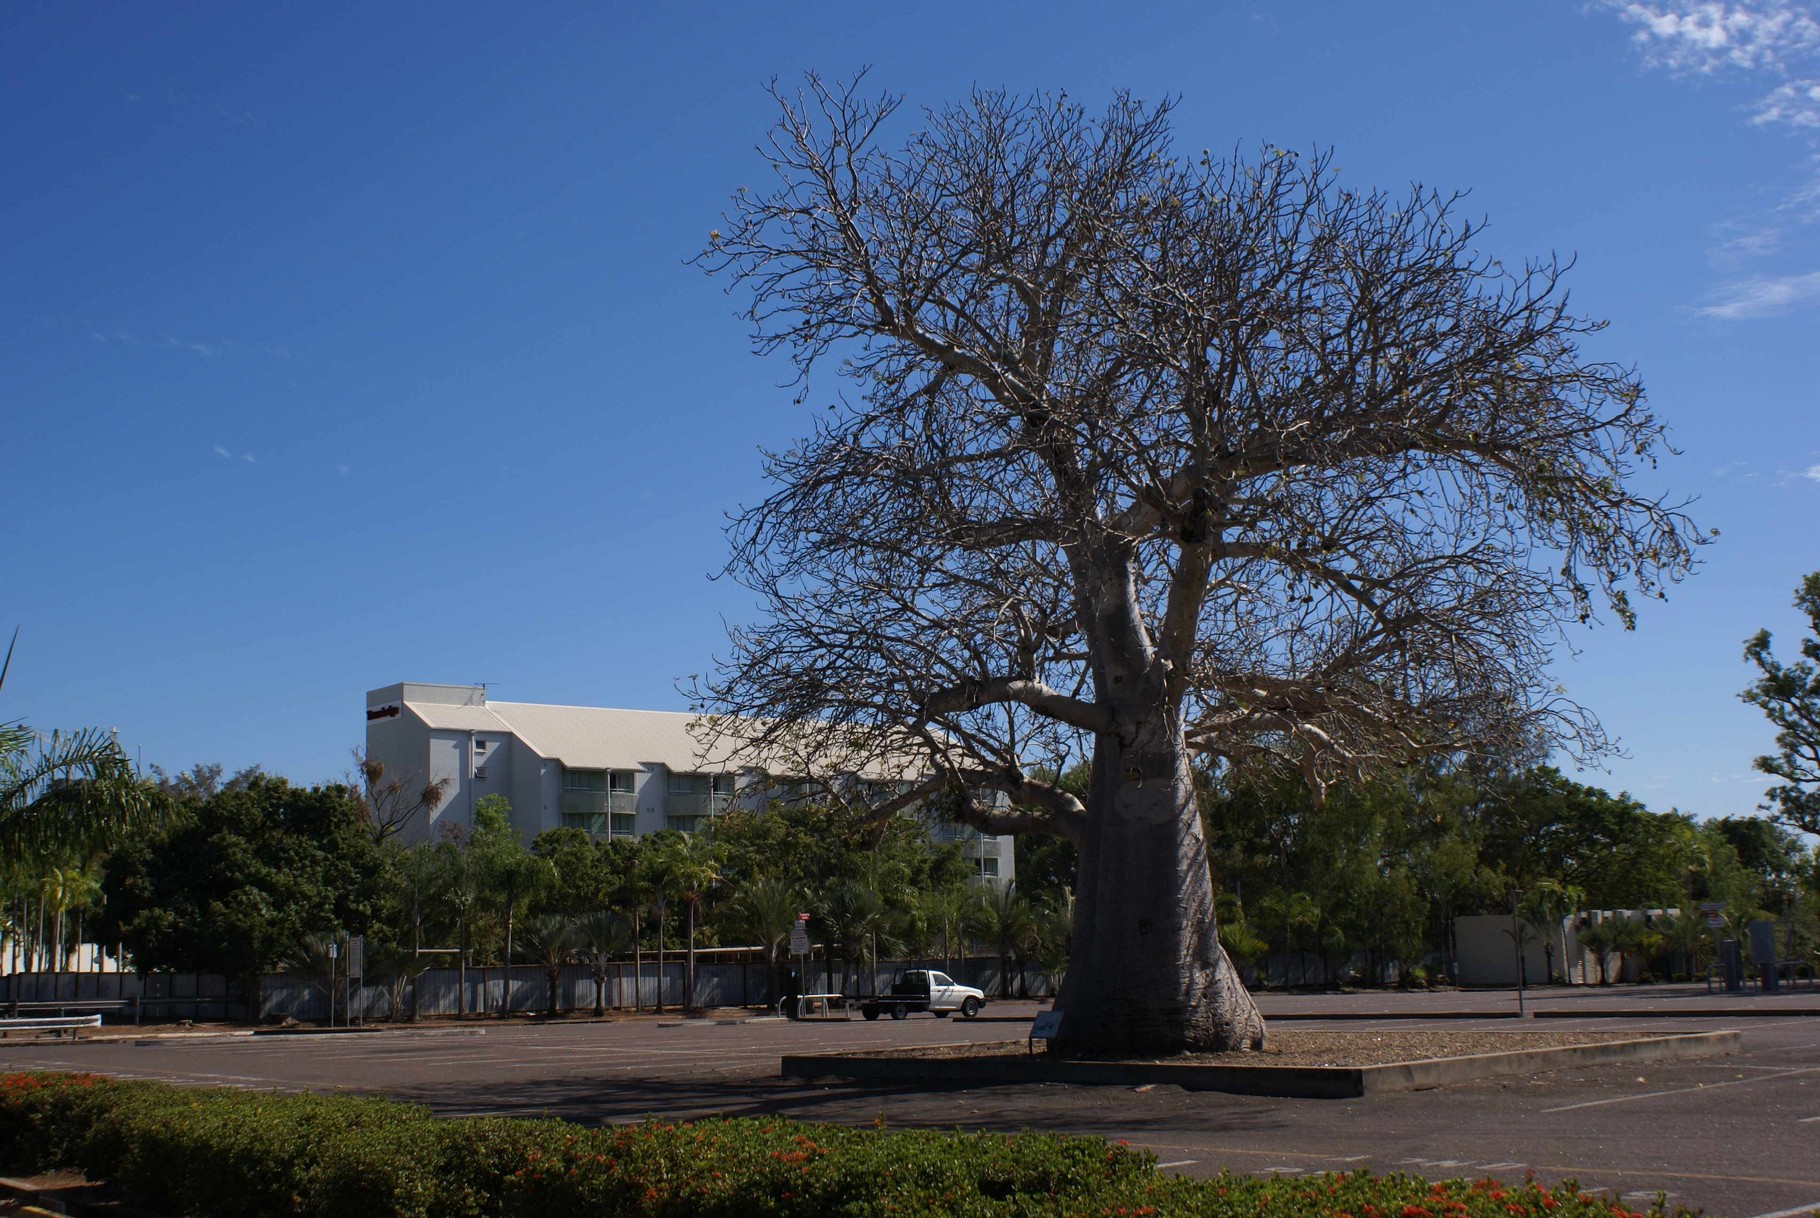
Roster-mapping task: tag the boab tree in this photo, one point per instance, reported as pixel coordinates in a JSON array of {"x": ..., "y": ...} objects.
[{"x": 1158, "y": 459}]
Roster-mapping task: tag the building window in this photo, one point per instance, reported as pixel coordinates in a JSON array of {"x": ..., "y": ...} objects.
[
  {"x": 480, "y": 746},
  {"x": 989, "y": 868},
  {"x": 584, "y": 780}
]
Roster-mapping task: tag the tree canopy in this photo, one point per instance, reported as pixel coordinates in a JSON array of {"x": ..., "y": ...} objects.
[
  {"x": 1790, "y": 696},
  {"x": 1153, "y": 455}
]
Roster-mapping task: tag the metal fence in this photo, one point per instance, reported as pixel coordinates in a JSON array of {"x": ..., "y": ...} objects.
[{"x": 440, "y": 991}]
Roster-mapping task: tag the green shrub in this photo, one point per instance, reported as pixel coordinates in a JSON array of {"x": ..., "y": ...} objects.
[{"x": 236, "y": 1154}]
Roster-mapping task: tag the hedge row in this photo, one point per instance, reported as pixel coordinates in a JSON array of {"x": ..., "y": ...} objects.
[{"x": 235, "y": 1154}]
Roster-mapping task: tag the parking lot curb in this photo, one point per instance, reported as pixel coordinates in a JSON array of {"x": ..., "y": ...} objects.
[{"x": 1288, "y": 1082}]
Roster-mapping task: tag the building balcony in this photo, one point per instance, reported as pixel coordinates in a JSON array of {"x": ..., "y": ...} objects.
[
  {"x": 583, "y": 803},
  {"x": 696, "y": 805}
]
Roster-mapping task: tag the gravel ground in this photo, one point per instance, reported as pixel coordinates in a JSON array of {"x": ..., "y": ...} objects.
[{"x": 1305, "y": 1047}]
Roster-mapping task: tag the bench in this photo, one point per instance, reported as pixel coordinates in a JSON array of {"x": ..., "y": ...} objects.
[
  {"x": 820, "y": 1006},
  {"x": 54, "y": 1024}
]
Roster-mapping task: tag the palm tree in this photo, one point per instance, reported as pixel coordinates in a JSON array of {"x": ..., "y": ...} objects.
[
  {"x": 1686, "y": 932},
  {"x": 767, "y": 912},
  {"x": 313, "y": 959},
  {"x": 68, "y": 792},
  {"x": 459, "y": 884},
  {"x": 852, "y": 914},
  {"x": 1007, "y": 920},
  {"x": 1545, "y": 905},
  {"x": 952, "y": 911},
  {"x": 694, "y": 869},
  {"x": 552, "y": 941},
  {"x": 603, "y": 936},
  {"x": 401, "y": 967},
  {"x": 64, "y": 887},
  {"x": 1241, "y": 942},
  {"x": 1601, "y": 939},
  {"x": 1055, "y": 932}
]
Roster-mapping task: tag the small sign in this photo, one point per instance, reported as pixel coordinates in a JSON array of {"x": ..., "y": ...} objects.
[
  {"x": 799, "y": 941},
  {"x": 1714, "y": 911},
  {"x": 1047, "y": 1025},
  {"x": 334, "y": 951}
]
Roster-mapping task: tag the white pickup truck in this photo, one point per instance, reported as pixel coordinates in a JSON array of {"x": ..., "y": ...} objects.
[{"x": 924, "y": 990}]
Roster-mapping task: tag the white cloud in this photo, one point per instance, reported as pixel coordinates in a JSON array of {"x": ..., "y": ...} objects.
[
  {"x": 1812, "y": 472},
  {"x": 179, "y": 344},
  {"x": 1796, "y": 103},
  {"x": 222, "y": 452},
  {"x": 249, "y": 458},
  {"x": 1709, "y": 35},
  {"x": 1773, "y": 45},
  {"x": 1764, "y": 296}
]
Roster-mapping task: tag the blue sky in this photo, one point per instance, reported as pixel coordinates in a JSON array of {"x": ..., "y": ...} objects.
[{"x": 344, "y": 345}]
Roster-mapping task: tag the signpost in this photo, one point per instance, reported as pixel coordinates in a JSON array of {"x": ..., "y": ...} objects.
[
  {"x": 1045, "y": 1027},
  {"x": 799, "y": 941},
  {"x": 334, "y": 955}
]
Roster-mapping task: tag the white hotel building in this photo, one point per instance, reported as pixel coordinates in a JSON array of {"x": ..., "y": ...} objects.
[{"x": 619, "y": 773}]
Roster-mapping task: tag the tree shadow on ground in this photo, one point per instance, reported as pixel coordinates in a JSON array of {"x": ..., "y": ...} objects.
[{"x": 1053, "y": 1108}]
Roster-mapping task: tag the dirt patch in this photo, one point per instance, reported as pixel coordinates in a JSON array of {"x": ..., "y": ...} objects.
[{"x": 1306, "y": 1047}]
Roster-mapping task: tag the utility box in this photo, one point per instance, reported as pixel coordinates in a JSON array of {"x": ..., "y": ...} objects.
[{"x": 1763, "y": 953}]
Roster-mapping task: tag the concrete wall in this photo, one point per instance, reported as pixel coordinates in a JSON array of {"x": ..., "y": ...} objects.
[
  {"x": 401, "y": 744},
  {"x": 1487, "y": 954}
]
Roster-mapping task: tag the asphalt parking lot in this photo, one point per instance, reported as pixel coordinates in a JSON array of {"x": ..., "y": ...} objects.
[{"x": 1738, "y": 1135}]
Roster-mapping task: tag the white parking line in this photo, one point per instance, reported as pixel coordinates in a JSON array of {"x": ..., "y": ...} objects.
[
  {"x": 1178, "y": 1163},
  {"x": 1650, "y": 1095},
  {"x": 1800, "y": 1211}
]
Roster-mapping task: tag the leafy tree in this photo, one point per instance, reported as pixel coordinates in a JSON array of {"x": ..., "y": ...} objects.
[
  {"x": 510, "y": 875},
  {"x": 203, "y": 780},
  {"x": 1790, "y": 697},
  {"x": 1771, "y": 855},
  {"x": 242, "y": 879},
  {"x": 585, "y": 873},
  {"x": 1153, "y": 457},
  {"x": 459, "y": 884}
]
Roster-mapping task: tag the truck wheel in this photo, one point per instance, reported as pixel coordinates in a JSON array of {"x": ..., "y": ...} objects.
[
  {"x": 970, "y": 1007},
  {"x": 900, "y": 1011},
  {"x": 869, "y": 1012},
  {"x": 941, "y": 1014}
]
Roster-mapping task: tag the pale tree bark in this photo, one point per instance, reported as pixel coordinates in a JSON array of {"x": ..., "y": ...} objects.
[{"x": 1170, "y": 463}]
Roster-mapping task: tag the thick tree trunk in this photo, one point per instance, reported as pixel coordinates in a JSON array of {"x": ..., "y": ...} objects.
[{"x": 1147, "y": 975}]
